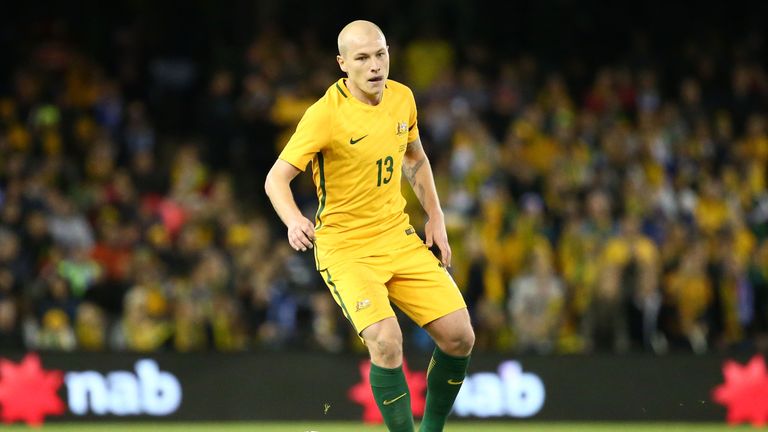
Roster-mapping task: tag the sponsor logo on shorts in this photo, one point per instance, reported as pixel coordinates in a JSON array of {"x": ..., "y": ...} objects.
[{"x": 362, "y": 304}]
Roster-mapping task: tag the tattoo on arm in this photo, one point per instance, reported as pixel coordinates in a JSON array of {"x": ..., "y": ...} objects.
[
  {"x": 410, "y": 171},
  {"x": 419, "y": 189},
  {"x": 415, "y": 146}
]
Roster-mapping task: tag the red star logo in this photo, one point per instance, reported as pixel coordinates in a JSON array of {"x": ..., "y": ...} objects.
[
  {"x": 362, "y": 394},
  {"x": 745, "y": 392},
  {"x": 27, "y": 392}
]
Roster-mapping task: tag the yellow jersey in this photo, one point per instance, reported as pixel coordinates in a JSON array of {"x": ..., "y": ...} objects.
[{"x": 356, "y": 152}]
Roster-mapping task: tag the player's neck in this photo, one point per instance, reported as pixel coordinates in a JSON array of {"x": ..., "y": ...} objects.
[{"x": 368, "y": 99}]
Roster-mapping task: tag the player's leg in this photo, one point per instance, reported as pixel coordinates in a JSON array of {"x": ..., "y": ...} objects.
[
  {"x": 359, "y": 290},
  {"x": 390, "y": 389},
  {"x": 454, "y": 338},
  {"x": 425, "y": 291},
  {"x": 453, "y": 333}
]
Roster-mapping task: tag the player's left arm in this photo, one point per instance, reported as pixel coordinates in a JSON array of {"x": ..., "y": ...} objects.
[{"x": 418, "y": 171}]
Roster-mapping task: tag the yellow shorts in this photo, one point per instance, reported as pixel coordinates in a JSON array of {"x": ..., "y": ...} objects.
[{"x": 410, "y": 276}]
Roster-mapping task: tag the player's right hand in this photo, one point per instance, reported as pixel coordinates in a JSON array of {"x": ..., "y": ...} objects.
[{"x": 301, "y": 234}]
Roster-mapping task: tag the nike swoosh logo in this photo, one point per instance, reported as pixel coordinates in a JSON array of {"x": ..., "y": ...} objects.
[
  {"x": 355, "y": 141},
  {"x": 452, "y": 382},
  {"x": 391, "y": 401}
]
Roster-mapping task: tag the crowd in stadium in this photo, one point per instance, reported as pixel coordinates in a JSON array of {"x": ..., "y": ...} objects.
[{"x": 620, "y": 208}]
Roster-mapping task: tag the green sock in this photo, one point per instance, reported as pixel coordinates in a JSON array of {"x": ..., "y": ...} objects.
[
  {"x": 391, "y": 393},
  {"x": 444, "y": 378}
]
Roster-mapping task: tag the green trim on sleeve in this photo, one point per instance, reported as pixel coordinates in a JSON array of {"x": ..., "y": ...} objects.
[{"x": 321, "y": 207}]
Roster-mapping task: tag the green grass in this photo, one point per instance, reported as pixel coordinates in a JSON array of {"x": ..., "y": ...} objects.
[{"x": 357, "y": 427}]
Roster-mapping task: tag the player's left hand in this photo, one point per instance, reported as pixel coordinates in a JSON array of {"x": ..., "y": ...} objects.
[{"x": 435, "y": 233}]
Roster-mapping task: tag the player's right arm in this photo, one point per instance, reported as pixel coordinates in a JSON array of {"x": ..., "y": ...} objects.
[
  {"x": 310, "y": 137},
  {"x": 301, "y": 231}
]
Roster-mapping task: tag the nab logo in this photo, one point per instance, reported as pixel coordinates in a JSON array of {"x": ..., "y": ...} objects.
[
  {"x": 149, "y": 391},
  {"x": 28, "y": 392},
  {"x": 744, "y": 392},
  {"x": 511, "y": 392}
]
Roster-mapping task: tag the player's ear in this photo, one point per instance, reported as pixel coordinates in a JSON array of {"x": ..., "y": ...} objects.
[{"x": 342, "y": 64}]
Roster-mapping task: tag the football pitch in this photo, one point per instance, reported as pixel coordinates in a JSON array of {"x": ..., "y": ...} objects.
[{"x": 357, "y": 427}]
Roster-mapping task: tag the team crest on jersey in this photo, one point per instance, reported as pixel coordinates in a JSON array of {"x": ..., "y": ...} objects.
[{"x": 402, "y": 128}]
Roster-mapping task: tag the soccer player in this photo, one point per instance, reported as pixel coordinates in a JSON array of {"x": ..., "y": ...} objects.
[{"x": 362, "y": 137}]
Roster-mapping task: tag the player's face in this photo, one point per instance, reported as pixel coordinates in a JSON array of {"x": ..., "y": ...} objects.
[{"x": 367, "y": 64}]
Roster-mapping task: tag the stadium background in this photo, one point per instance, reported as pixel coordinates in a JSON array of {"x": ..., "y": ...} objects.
[{"x": 602, "y": 169}]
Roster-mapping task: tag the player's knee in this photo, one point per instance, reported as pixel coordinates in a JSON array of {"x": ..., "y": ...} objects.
[
  {"x": 460, "y": 344},
  {"x": 469, "y": 340},
  {"x": 466, "y": 342},
  {"x": 386, "y": 351}
]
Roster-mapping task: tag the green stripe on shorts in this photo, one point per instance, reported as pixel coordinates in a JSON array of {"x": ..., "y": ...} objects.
[{"x": 341, "y": 302}]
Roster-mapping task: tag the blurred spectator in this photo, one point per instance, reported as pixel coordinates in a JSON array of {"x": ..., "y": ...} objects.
[
  {"x": 55, "y": 332},
  {"x": 11, "y": 337},
  {"x": 627, "y": 299},
  {"x": 227, "y": 327},
  {"x": 80, "y": 271},
  {"x": 138, "y": 134},
  {"x": 189, "y": 326},
  {"x": 37, "y": 241},
  {"x": 142, "y": 327},
  {"x": 69, "y": 229},
  {"x": 691, "y": 293},
  {"x": 536, "y": 303},
  {"x": 91, "y": 327},
  {"x": 14, "y": 269},
  {"x": 220, "y": 120},
  {"x": 426, "y": 57},
  {"x": 149, "y": 179},
  {"x": 57, "y": 295}
]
